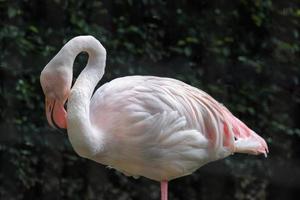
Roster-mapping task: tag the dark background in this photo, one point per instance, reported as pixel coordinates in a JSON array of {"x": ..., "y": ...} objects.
[{"x": 244, "y": 53}]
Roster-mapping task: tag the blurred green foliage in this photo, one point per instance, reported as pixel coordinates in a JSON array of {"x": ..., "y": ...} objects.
[{"x": 245, "y": 53}]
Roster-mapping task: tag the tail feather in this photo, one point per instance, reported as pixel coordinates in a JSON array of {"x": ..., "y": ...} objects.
[
  {"x": 234, "y": 135},
  {"x": 246, "y": 140}
]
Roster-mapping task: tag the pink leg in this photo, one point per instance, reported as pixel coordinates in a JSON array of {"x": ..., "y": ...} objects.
[{"x": 164, "y": 190}]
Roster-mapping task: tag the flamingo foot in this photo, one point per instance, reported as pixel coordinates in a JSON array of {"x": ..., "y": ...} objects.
[{"x": 164, "y": 190}]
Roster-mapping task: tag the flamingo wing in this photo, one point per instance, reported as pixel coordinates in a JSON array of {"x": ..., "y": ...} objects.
[
  {"x": 162, "y": 128},
  {"x": 163, "y": 142}
]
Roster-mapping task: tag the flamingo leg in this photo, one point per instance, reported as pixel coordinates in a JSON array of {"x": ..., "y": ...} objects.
[{"x": 164, "y": 190}]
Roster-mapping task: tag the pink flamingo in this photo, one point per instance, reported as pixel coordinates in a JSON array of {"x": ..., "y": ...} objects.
[{"x": 159, "y": 128}]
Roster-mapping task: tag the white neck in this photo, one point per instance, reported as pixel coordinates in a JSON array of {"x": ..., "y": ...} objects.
[{"x": 85, "y": 139}]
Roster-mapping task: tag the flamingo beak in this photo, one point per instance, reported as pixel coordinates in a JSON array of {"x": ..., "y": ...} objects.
[{"x": 56, "y": 114}]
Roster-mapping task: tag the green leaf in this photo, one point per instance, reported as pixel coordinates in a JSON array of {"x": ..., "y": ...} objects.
[{"x": 33, "y": 29}]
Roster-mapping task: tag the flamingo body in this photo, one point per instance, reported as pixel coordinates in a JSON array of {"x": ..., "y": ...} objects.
[
  {"x": 159, "y": 128},
  {"x": 154, "y": 127}
]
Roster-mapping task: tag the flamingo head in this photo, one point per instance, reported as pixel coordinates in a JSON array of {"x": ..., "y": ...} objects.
[{"x": 56, "y": 83}]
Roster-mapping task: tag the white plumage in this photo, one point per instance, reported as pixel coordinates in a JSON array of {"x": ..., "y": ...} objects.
[{"x": 159, "y": 122}]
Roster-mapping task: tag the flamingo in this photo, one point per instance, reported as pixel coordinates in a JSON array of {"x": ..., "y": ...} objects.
[{"x": 159, "y": 128}]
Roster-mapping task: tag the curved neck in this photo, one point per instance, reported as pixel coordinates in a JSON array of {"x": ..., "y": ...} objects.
[
  {"x": 94, "y": 70},
  {"x": 83, "y": 137}
]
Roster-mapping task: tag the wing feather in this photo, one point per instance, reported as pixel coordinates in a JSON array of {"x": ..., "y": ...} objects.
[{"x": 152, "y": 118}]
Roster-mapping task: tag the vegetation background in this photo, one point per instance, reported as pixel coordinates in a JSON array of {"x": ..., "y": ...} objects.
[{"x": 245, "y": 53}]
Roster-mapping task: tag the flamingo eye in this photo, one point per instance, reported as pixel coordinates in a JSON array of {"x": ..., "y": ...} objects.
[{"x": 66, "y": 105}]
